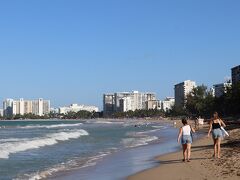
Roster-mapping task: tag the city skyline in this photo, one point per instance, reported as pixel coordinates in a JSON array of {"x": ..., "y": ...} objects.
[{"x": 75, "y": 52}]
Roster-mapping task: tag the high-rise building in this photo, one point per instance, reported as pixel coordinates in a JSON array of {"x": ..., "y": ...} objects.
[
  {"x": 236, "y": 75},
  {"x": 153, "y": 104},
  {"x": 221, "y": 89},
  {"x": 37, "y": 107},
  {"x": 182, "y": 90},
  {"x": 126, "y": 101},
  {"x": 108, "y": 104},
  {"x": 28, "y": 107},
  {"x": 125, "y": 104},
  {"x": 8, "y": 107},
  {"x": 1, "y": 112},
  {"x": 46, "y": 107}
]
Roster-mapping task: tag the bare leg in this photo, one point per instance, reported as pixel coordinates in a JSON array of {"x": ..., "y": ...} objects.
[
  {"x": 219, "y": 147},
  {"x": 215, "y": 148},
  {"x": 188, "y": 151},
  {"x": 184, "y": 146}
]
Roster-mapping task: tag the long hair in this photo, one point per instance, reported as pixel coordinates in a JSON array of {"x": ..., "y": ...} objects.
[{"x": 215, "y": 114}]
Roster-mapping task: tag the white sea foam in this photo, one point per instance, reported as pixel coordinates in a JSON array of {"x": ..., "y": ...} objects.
[
  {"x": 138, "y": 141},
  {"x": 104, "y": 122},
  {"x": 160, "y": 127},
  {"x": 50, "y": 126},
  {"x": 20, "y": 145}
]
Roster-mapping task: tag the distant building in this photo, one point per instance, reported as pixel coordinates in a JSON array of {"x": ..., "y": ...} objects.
[
  {"x": 153, "y": 104},
  {"x": 76, "y": 108},
  {"x": 126, "y": 104},
  {"x": 37, "y": 107},
  {"x": 8, "y": 107},
  {"x": 1, "y": 112},
  {"x": 182, "y": 90},
  {"x": 212, "y": 91},
  {"x": 221, "y": 89},
  {"x": 126, "y": 101},
  {"x": 108, "y": 104},
  {"x": 54, "y": 110},
  {"x": 167, "y": 104},
  {"x": 236, "y": 75}
]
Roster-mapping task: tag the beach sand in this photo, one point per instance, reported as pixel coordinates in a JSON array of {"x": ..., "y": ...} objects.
[{"x": 202, "y": 165}]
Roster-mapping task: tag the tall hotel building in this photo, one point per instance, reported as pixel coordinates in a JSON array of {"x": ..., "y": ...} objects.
[
  {"x": 108, "y": 104},
  {"x": 182, "y": 90},
  {"x": 126, "y": 101},
  {"x": 221, "y": 89},
  {"x": 236, "y": 75},
  {"x": 38, "y": 107}
]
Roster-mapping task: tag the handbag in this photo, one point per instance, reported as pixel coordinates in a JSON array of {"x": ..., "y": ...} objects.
[{"x": 224, "y": 132}]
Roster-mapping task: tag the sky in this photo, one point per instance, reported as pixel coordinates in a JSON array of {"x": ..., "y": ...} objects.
[{"x": 73, "y": 51}]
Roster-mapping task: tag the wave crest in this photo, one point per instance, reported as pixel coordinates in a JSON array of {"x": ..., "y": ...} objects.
[{"x": 21, "y": 145}]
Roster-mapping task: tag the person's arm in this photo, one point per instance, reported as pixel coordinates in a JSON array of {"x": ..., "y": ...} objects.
[
  {"x": 193, "y": 130},
  {"x": 210, "y": 128},
  {"x": 179, "y": 134},
  {"x": 222, "y": 123}
]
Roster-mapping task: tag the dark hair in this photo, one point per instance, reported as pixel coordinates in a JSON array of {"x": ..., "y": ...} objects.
[
  {"x": 184, "y": 121},
  {"x": 216, "y": 113}
]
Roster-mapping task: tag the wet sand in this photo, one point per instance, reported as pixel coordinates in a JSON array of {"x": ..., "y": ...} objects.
[{"x": 202, "y": 165}]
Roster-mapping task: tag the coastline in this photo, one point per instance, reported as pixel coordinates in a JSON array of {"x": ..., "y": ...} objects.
[
  {"x": 202, "y": 165},
  {"x": 130, "y": 160}
]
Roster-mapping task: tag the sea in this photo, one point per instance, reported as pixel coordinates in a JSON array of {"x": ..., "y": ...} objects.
[{"x": 101, "y": 149}]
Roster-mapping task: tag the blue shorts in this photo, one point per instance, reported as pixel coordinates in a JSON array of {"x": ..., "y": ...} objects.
[
  {"x": 187, "y": 139},
  {"x": 217, "y": 133}
]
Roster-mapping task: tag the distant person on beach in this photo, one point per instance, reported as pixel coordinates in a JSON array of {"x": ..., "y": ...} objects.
[
  {"x": 185, "y": 135},
  {"x": 215, "y": 127}
]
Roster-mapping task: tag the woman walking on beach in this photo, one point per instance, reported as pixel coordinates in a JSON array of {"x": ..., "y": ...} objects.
[
  {"x": 215, "y": 127},
  {"x": 186, "y": 139}
]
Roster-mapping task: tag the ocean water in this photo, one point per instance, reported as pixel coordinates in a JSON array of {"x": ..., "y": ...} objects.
[{"x": 45, "y": 149}]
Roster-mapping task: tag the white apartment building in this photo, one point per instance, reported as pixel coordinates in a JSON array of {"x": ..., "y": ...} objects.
[
  {"x": 153, "y": 104},
  {"x": 37, "y": 107},
  {"x": 182, "y": 90},
  {"x": 1, "y": 112},
  {"x": 221, "y": 89},
  {"x": 167, "y": 104},
  {"x": 126, "y": 104},
  {"x": 77, "y": 108},
  {"x": 126, "y": 101}
]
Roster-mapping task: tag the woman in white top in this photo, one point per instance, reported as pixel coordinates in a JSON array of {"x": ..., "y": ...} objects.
[{"x": 186, "y": 139}]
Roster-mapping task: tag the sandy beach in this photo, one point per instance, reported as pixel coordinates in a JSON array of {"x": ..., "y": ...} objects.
[{"x": 202, "y": 165}]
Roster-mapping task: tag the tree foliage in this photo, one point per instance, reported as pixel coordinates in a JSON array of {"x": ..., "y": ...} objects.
[
  {"x": 201, "y": 102},
  {"x": 139, "y": 113}
]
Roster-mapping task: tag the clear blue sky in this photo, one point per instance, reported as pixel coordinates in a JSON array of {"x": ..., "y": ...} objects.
[{"x": 73, "y": 50}]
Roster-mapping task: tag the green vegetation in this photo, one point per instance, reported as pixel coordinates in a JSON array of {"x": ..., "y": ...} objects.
[
  {"x": 25, "y": 116},
  {"x": 51, "y": 115},
  {"x": 200, "y": 102},
  {"x": 139, "y": 114}
]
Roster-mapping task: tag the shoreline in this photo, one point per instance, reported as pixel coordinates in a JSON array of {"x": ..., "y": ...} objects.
[
  {"x": 133, "y": 159},
  {"x": 202, "y": 165}
]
